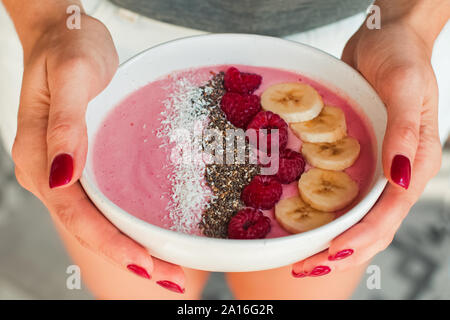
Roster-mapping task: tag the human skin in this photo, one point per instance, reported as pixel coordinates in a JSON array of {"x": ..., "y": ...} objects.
[
  {"x": 63, "y": 70},
  {"x": 396, "y": 60},
  {"x": 51, "y": 123}
]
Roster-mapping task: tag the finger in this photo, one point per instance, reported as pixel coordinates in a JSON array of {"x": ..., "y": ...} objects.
[
  {"x": 375, "y": 231},
  {"x": 324, "y": 262},
  {"x": 402, "y": 91},
  {"x": 72, "y": 84},
  {"x": 371, "y": 235},
  {"x": 73, "y": 209},
  {"x": 388, "y": 213},
  {"x": 314, "y": 266},
  {"x": 168, "y": 275}
]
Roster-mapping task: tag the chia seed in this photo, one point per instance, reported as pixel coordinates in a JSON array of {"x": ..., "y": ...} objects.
[{"x": 226, "y": 181}]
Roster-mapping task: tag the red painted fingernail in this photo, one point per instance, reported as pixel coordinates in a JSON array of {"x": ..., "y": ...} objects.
[
  {"x": 139, "y": 271},
  {"x": 61, "y": 170},
  {"x": 299, "y": 274},
  {"x": 319, "y": 271},
  {"x": 341, "y": 255},
  {"x": 169, "y": 285},
  {"x": 401, "y": 171}
]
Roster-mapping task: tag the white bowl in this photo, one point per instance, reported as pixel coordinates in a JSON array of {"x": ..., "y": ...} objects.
[{"x": 223, "y": 254}]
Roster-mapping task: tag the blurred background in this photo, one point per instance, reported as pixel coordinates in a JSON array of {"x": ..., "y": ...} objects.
[{"x": 33, "y": 262}]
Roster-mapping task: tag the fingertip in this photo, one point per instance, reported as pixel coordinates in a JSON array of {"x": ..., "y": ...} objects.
[
  {"x": 341, "y": 254},
  {"x": 61, "y": 170},
  {"x": 399, "y": 149},
  {"x": 171, "y": 286},
  {"x": 297, "y": 269},
  {"x": 138, "y": 270},
  {"x": 169, "y": 275},
  {"x": 68, "y": 159},
  {"x": 141, "y": 263},
  {"x": 400, "y": 172},
  {"x": 310, "y": 266},
  {"x": 317, "y": 270},
  {"x": 300, "y": 274},
  {"x": 347, "y": 245}
]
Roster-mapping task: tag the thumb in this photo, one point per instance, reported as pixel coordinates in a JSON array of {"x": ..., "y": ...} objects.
[
  {"x": 71, "y": 87},
  {"x": 402, "y": 93}
]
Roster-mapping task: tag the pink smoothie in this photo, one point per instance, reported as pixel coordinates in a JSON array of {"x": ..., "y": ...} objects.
[{"x": 130, "y": 164}]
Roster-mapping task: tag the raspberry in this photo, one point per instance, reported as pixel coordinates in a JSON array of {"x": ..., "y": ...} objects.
[
  {"x": 248, "y": 223},
  {"x": 240, "y": 108},
  {"x": 269, "y": 120},
  {"x": 263, "y": 192},
  {"x": 291, "y": 166},
  {"x": 240, "y": 82}
]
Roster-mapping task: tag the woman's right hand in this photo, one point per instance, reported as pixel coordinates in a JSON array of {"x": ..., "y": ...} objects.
[{"x": 63, "y": 70}]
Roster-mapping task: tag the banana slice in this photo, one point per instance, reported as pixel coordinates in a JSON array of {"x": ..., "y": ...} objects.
[
  {"x": 328, "y": 126},
  {"x": 295, "y": 216},
  {"x": 292, "y": 101},
  {"x": 327, "y": 190},
  {"x": 336, "y": 156}
]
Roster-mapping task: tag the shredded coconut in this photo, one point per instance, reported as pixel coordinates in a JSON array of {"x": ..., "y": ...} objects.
[{"x": 183, "y": 119}]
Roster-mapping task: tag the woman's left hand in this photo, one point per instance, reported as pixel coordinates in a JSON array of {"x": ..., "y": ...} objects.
[{"x": 396, "y": 62}]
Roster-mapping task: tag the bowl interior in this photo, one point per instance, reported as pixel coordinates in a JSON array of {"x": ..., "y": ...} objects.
[{"x": 218, "y": 49}]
